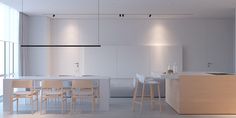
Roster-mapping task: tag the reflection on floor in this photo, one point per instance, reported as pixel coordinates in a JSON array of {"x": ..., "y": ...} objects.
[{"x": 119, "y": 108}]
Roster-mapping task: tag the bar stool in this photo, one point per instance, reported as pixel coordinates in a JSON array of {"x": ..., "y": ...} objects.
[{"x": 140, "y": 80}]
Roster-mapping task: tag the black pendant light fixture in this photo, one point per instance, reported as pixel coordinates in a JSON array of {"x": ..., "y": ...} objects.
[{"x": 92, "y": 45}]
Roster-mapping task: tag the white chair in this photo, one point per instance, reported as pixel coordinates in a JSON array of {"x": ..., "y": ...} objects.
[
  {"x": 142, "y": 80},
  {"x": 52, "y": 89},
  {"x": 82, "y": 89},
  {"x": 32, "y": 94}
]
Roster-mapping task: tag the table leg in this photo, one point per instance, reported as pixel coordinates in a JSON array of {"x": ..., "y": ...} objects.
[
  {"x": 7, "y": 91},
  {"x": 104, "y": 88}
]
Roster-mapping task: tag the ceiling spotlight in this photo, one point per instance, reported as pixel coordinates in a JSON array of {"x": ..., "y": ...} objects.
[
  {"x": 150, "y": 15},
  {"x": 123, "y": 15},
  {"x": 53, "y": 15},
  {"x": 119, "y": 15}
]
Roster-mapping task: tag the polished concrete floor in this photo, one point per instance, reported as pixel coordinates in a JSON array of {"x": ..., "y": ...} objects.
[{"x": 119, "y": 108}]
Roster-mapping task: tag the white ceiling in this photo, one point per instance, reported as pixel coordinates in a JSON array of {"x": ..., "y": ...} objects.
[{"x": 197, "y": 8}]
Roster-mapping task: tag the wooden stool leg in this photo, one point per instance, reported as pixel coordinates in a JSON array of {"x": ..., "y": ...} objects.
[
  {"x": 41, "y": 105},
  {"x": 159, "y": 92},
  {"x": 46, "y": 102},
  {"x": 134, "y": 95},
  {"x": 151, "y": 95},
  {"x": 142, "y": 97},
  {"x": 11, "y": 105},
  {"x": 37, "y": 100},
  {"x": 159, "y": 96}
]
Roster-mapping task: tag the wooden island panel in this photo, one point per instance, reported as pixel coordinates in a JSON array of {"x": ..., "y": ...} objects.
[{"x": 202, "y": 94}]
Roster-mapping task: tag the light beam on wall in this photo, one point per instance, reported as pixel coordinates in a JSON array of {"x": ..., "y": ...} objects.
[
  {"x": 71, "y": 33},
  {"x": 158, "y": 35}
]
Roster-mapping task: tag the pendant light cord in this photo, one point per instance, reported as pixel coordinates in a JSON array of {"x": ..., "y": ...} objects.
[{"x": 98, "y": 22}]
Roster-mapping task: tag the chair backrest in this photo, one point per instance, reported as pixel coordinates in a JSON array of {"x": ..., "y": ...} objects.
[
  {"x": 140, "y": 77},
  {"x": 52, "y": 84},
  {"x": 22, "y": 83},
  {"x": 82, "y": 84}
]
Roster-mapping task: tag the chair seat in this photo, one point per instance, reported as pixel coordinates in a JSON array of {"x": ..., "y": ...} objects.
[
  {"x": 152, "y": 82},
  {"x": 52, "y": 93},
  {"x": 23, "y": 93},
  {"x": 83, "y": 93}
]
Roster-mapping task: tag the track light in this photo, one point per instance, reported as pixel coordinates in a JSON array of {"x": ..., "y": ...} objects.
[
  {"x": 121, "y": 15},
  {"x": 150, "y": 15},
  {"x": 53, "y": 15}
]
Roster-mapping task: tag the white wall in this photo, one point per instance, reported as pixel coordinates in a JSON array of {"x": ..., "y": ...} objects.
[
  {"x": 203, "y": 40},
  {"x": 38, "y": 31}
]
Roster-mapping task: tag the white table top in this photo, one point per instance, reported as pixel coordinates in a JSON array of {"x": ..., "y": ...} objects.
[{"x": 92, "y": 77}]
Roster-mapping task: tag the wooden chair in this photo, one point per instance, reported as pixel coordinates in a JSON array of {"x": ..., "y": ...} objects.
[
  {"x": 140, "y": 80},
  {"x": 95, "y": 86},
  {"x": 52, "y": 89},
  {"x": 32, "y": 94},
  {"x": 82, "y": 89}
]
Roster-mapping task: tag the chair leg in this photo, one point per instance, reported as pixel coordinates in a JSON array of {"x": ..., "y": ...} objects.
[
  {"x": 11, "y": 105},
  {"x": 17, "y": 102},
  {"x": 71, "y": 105},
  {"x": 74, "y": 103},
  {"x": 31, "y": 103},
  {"x": 93, "y": 104},
  {"x": 46, "y": 102},
  {"x": 62, "y": 104},
  {"x": 37, "y": 105}
]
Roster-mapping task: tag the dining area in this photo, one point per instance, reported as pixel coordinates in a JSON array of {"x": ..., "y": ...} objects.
[
  {"x": 67, "y": 94},
  {"x": 64, "y": 91}
]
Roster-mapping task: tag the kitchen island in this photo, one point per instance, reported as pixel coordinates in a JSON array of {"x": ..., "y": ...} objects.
[{"x": 202, "y": 93}]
